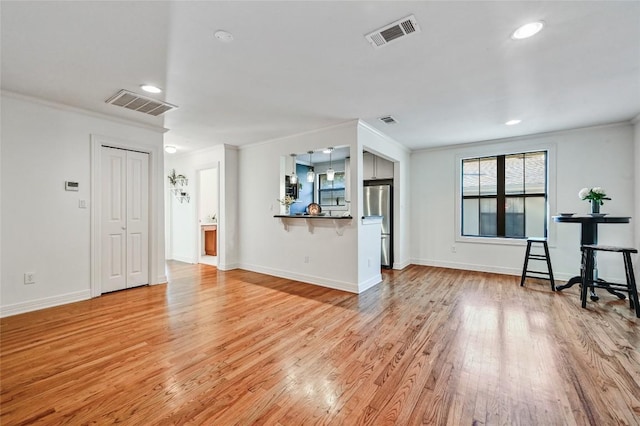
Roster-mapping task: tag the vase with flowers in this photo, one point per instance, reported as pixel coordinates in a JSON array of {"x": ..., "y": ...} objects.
[
  {"x": 286, "y": 202},
  {"x": 596, "y": 197}
]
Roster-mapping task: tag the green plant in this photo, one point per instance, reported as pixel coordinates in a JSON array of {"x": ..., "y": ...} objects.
[
  {"x": 287, "y": 200},
  {"x": 174, "y": 178}
]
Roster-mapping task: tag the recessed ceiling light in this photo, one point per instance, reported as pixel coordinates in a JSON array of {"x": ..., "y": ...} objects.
[
  {"x": 527, "y": 30},
  {"x": 151, "y": 89},
  {"x": 225, "y": 36},
  {"x": 512, "y": 122},
  {"x": 170, "y": 149}
]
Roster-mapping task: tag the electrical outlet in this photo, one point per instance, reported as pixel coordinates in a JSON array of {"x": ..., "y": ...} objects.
[
  {"x": 453, "y": 248},
  {"x": 82, "y": 204},
  {"x": 29, "y": 277},
  {"x": 368, "y": 263},
  {"x": 306, "y": 259}
]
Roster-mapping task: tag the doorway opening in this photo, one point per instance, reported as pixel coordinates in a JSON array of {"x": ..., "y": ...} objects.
[{"x": 207, "y": 196}]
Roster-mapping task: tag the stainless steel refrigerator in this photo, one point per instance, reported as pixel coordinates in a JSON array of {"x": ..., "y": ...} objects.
[{"x": 378, "y": 201}]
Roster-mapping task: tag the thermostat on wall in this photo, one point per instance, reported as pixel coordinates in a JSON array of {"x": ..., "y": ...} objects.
[{"x": 71, "y": 186}]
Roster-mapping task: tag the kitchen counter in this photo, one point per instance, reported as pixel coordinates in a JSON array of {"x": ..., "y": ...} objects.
[
  {"x": 310, "y": 216},
  {"x": 339, "y": 222}
]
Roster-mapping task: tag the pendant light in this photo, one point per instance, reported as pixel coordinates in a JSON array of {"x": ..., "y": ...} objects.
[
  {"x": 330, "y": 172},
  {"x": 311, "y": 175},
  {"x": 294, "y": 178}
]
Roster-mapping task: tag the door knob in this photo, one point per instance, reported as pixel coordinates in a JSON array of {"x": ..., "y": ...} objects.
[{"x": 124, "y": 228}]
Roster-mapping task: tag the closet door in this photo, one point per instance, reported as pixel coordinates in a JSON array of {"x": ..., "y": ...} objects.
[
  {"x": 125, "y": 219},
  {"x": 137, "y": 219}
]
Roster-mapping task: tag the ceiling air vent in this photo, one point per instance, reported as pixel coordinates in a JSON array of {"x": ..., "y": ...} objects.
[
  {"x": 393, "y": 31},
  {"x": 387, "y": 119},
  {"x": 140, "y": 103}
]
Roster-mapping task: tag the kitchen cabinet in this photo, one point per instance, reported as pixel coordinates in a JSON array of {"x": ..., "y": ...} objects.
[{"x": 374, "y": 167}]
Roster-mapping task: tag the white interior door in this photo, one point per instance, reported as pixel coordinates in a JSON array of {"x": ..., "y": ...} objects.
[
  {"x": 125, "y": 219},
  {"x": 137, "y": 218}
]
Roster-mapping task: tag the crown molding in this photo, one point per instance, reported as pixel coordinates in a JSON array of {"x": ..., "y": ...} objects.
[
  {"x": 94, "y": 114},
  {"x": 386, "y": 137},
  {"x": 520, "y": 138}
]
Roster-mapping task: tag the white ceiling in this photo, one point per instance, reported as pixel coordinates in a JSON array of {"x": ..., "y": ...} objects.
[{"x": 298, "y": 66}]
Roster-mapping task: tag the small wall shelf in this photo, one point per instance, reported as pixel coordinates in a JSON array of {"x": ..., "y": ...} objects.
[
  {"x": 339, "y": 222},
  {"x": 178, "y": 184}
]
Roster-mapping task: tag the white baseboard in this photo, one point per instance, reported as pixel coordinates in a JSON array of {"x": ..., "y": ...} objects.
[
  {"x": 160, "y": 280},
  {"x": 47, "y": 302},
  {"x": 185, "y": 259},
  {"x": 229, "y": 266},
  {"x": 483, "y": 268},
  {"x": 367, "y": 284},
  {"x": 401, "y": 265},
  {"x": 307, "y": 279},
  {"x": 467, "y": 266}
]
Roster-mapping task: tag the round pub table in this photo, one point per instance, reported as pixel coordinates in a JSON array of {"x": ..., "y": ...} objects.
[{"x": 589, "y": 235}]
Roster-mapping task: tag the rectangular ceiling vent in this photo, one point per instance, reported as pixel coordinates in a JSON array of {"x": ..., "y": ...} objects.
[
  {"x": 387, "y": 119},
  {"x": 136, "y": 102},
  {"x": 393, "y": 31}
]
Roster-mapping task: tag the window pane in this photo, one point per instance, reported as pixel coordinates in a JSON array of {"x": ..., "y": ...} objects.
[
  {"x": 514, "y": 174},
  {"x": 514, "y": 217},
  {"x": 488, "y": 176},
  {"x": 521, "y": 215},
  {"x": 471, "y": 177},
  {"x": 535, "y": 172},
  {"x": 471, "y": 216},
  {"x": 332, "y": 197},
  {"x": 336, "y": 183},
  {"x": 488, "y": 217},
  {"x": 536, "y": 214}
]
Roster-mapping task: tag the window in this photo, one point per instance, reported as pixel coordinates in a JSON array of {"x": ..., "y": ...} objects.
[
  {"x": 331, "y": 193},
  {"x": 505, "y": 196}
]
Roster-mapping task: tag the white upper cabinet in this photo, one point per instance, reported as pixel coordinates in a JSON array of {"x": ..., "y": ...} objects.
[
  {"x": 384, "y": 168},
  {"x": 374, "y": 167},
  {"x": 367, "y": 166}
]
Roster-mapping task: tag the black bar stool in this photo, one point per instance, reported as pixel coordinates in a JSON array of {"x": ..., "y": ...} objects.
[
  {"x": 543, "y": 275},
  {"x": 588, "y": 260}
]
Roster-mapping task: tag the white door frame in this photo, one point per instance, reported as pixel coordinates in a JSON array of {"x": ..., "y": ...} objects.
[
  {"x": 198, "y": 242},
  {"x": 97, "y": 142}
]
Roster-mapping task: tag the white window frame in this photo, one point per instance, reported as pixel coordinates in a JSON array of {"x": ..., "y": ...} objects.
[{"x": 517, "y": 147}]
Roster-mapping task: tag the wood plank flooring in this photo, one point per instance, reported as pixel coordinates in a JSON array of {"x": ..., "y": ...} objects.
[{"x": 427, "y": 346}]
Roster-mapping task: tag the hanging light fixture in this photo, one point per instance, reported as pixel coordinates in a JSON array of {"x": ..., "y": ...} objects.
[
  {"x": 311, "y": 175},
  {"x": 294, "y": 178},
  {"x": 330, "y": 172}
]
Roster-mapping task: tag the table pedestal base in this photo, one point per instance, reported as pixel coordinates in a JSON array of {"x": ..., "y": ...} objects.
[{"x": 593, "y": 296}]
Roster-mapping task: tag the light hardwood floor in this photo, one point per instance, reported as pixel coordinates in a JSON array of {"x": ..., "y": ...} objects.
[{"x": 427, "y": 346}]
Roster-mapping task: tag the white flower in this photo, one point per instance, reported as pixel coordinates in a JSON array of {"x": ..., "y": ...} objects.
[
  {"x": 594, "y": 195},
  {"x": 583, "y": 193}
]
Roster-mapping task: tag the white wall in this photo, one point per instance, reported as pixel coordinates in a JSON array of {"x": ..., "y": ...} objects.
[
  {"x": 43, "y": 229},
  {"x": 636, "y": 215},
  {"x": 373, "y": 141},
  {"x": 597, "y": 156},
  {"x": 229, "y": 228},
  {"x": 208, "y": 200},
  {"x": 266, "y": 246},
  {"x": 183, "y": 226}
]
